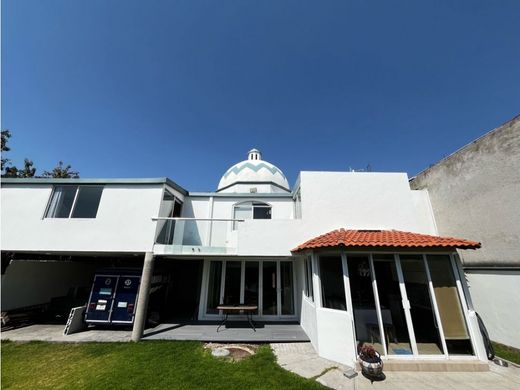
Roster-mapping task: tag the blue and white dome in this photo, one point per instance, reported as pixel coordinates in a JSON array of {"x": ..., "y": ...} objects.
[{"x": 254, "y": 170}]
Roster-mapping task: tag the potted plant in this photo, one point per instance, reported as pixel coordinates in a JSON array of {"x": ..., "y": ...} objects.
[{"x": 370, "y": 360}]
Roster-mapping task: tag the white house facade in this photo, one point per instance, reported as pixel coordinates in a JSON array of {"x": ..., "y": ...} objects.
[{"x": 351, "y": 257}]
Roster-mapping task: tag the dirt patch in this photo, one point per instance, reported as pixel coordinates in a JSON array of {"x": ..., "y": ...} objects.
[{"x": 237, "y": 352}]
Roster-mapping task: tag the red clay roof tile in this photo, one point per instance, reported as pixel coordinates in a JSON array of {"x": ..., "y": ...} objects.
[{"x": 384, "y": 238}]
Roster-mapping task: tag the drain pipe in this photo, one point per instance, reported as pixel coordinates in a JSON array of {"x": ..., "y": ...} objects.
[{"x": 142, "y": 299}]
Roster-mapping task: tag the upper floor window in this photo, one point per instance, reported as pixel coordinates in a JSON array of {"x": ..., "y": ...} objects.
[
  {"x": 251, "y": 210},
  {"x": 70, "y": 201}
]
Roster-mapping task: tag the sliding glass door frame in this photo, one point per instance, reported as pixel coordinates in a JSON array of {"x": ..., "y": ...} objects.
[
  {"x": 406, "y": 303},
  {"x": 203, "y": 315},
  {"x": 465, "y": 300}
]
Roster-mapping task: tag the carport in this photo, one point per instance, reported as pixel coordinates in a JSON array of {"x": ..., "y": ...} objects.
[{"x": 42, "y": 288}]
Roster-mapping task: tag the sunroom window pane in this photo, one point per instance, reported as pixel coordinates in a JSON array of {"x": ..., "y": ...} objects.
[
  {"x": 333, "y": 289},
  {"x": 87, "y": 202},
  {"x": 450, "y": 310},
  {"x": 61, "y": 201}
]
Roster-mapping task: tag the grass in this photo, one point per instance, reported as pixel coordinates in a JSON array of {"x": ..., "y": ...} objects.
[
  {"x": 145, "y": 365},
  {"x": 506, "y": 352}
]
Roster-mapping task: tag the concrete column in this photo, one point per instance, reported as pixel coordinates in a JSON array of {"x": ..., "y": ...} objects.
[{"x": 142, "y": 299}]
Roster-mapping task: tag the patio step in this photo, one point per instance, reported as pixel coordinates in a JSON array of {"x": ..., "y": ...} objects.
[{"x": 434, "y": 365}]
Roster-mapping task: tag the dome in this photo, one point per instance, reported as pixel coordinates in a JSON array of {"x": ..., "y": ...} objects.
[{"x": 253, "y": 170}]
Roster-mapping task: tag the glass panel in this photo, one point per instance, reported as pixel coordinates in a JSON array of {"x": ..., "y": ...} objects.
[
  {"x": 251, "y": 284},
  {"x": 308, "y": 262},
  {"x": 270, "y": 306},
  {"x": 306, "y": 275},
  {"x": 448, "y": 301},
  {"x": 423, "y": 317},
  {"x": 87, "y": 202},
  {"x": 215, "y": 277},
  {"x": 363, "y": 302},
  {"x": 61, "y": 201},
  {"x": 286, "y": 278},
  {"x": 392, "y": 312},
  {"x": 261, "y": 212},
  {"x": 232, "y": 283},
  {"x": 332, "y": 286}
]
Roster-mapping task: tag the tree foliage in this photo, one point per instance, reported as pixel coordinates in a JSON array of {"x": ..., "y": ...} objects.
[
  {"x": 60, "y": 171},
  {"x": 6, "y": 134}
]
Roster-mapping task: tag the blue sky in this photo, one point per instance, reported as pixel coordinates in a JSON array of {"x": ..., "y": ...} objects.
[{"x": 185, "y": 88}]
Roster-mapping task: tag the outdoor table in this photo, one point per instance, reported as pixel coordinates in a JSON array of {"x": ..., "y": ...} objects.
[{"x": 236, "y": 309}]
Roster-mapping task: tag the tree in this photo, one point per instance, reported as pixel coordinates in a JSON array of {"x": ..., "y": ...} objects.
[
  {"x": 6, "y": 134},
  {"x": 61, "y": 172},
  {"x": 28, "y": 169}
]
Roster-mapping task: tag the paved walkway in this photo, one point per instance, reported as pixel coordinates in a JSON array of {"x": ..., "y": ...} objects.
[
  {"x": 55, "y": 333},
  {"x": 301, "y": 359}
]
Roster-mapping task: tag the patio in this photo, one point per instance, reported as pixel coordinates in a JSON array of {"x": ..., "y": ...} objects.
[
  {"x": 200, "y": 331},
  {"x": 233, "y": 331}
]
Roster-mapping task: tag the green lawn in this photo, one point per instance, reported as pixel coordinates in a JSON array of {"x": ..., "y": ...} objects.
[
  {"x": 508, "y": 353},
  {"x": 145, "y": 365}
]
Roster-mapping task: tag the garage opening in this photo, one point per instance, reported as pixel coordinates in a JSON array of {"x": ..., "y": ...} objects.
[{"x": 42, "y": 289}]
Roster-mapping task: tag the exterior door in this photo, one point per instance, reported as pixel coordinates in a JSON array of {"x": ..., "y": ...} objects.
[{"x": 266, "y": 284}]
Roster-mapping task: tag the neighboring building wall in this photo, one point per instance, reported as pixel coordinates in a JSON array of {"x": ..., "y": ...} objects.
[
  {"x": 475, "y": 194},
  {"x": 123, "y": 222}
]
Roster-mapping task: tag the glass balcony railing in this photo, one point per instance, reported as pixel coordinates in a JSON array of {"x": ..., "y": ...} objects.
[{"x": 196, "y": 235}]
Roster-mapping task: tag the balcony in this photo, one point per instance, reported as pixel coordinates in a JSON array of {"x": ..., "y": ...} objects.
[{"x": 196, "y": 236}]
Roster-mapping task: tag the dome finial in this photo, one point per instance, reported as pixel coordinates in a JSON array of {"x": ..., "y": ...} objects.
[{"x": 254, "y": 154}]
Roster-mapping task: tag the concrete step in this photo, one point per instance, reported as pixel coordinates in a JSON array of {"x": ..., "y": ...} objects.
[{"x": 434, "y": 365}]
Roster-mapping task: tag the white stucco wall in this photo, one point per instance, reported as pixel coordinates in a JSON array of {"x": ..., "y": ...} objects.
[
  {"x": 475, "y": 193},
  {"x": 359, "y": 200},
  {"x": 335, "y": 337},
  {"x": 123, "y": 222},
  {"x": 333, "y": 200},
  {"x": 496, "y": 297}
]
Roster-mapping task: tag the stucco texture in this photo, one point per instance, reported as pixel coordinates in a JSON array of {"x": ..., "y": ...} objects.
[{"x": 475, "y": 194}]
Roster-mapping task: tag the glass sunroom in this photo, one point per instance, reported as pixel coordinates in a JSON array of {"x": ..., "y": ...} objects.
[{"x": 402, "y": 292}]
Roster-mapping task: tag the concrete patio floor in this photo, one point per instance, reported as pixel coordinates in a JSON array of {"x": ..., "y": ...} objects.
[
  {"x": 233, "y": 332},
  {"x": 301, "y": 359}
]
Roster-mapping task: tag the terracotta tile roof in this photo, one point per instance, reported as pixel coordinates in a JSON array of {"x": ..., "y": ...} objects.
[{"x": 384, "y": 238}]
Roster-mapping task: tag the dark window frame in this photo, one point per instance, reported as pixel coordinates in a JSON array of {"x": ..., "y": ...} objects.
[{"x": 77, "y": 190}]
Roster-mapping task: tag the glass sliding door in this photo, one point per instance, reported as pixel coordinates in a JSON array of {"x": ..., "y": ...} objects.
[
  {"x": 395, "y": 327},
  {"x": 266, "y": 284},
  {"x": 286, "y": 282},
  {"x": 269, "y": 295},
  {"x": 425, "y": 325},
  {"x": 363, "y": 302},
  {"x": 453, "y": 322},
  {"x": 214, "y": 285},
  {"x": 251, "y": 283},
  {"x": 232, "y": 282}
]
